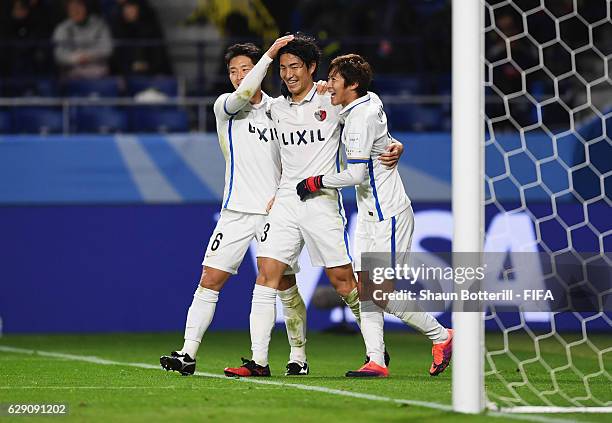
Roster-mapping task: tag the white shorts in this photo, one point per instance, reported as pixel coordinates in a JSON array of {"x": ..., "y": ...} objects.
[
  {"x": 392, "y": 235},
  {"x": 231, "y": 238},
  {"x": 319, "y": 222}
]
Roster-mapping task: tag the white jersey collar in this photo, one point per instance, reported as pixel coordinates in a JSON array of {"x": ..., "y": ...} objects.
[
  {"x": 308, "y": 96},
  {"x": 354, "y": 103},
  {"x": 264, "y": 99}
]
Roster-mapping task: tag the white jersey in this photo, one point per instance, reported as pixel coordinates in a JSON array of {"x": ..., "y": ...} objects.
[
  {"x": 366, "y": 136},
  {"x": 307, "y": 134},
  {"x": 252, "y": 160}
]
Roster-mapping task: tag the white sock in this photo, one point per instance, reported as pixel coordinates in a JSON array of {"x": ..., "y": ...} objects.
[
  {"x": 262, "y": 319},
  {"x": 420, "y": 320},
  {"x": 294, "y": 311},
  {"x": 352, "y": 301},
  {"x": 372, "y": 323},
  {"x": 199, "y": 316}
]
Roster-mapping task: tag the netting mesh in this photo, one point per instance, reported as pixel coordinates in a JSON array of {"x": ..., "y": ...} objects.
[{"x": 548, "y": 117}]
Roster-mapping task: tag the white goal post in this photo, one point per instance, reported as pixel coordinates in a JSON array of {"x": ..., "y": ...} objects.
[
  {"x": 467, "y": 195},
  {"x": 588, "y": 75}
]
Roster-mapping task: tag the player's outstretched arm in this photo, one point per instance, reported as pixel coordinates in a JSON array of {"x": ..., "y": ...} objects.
[
  {"x": 228, "y": 105},
  {"x": 353, "y": 175}
]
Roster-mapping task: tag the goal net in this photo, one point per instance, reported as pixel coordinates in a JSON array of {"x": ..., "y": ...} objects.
[{"x": 548, "y": 179}]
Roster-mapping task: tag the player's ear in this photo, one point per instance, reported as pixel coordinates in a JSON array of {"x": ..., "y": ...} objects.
[
  {"x": 312, "y": 68},
  {"x": 354, "y": 86}
]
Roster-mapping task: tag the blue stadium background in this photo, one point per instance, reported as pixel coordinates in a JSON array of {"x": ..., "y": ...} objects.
[
  {"x": 107, "y": 203},
  {"x": 106, "y": 233}
]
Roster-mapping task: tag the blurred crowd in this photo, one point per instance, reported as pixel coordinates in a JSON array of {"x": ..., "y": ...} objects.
[
  {"x": 94, "y": 38},
  {"x": 530, "y": 54},
  {"x": 75, "y": 39}
]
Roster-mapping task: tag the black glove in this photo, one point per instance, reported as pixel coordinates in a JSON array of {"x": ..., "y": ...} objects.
[{"x": 309, "y": 185}]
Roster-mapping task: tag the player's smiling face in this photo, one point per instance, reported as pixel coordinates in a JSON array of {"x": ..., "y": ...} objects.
[
  {"x": 238, "y": 68},
  {"x": 296, "y": 75},
  {"x": 340, "y": 94}
]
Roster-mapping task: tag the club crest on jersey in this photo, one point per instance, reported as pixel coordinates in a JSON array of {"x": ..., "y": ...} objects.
[{"x": 320, "y": 115}]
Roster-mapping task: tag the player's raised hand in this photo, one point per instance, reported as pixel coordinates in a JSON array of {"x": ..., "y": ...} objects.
[
  {"x": 277, "y": 45},
  {"x": 391, "y": 157},
  {"x": 309, "y": 185}
]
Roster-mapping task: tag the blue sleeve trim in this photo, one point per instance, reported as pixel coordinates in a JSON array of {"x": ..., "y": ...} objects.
[
  {"x": 355, "y": 105},
  {"x": 374, "y": 192},
  {"x": 344, "y": 223},
  {"x": 231, "y": 148},
  {"x": 225, "y": 108},
  {"x": 393, "y": 222},
  {"x": 353, "y": 161}
]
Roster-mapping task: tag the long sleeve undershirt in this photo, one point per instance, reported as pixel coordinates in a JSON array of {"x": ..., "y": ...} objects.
[
  {"x": 249, "y": 86},
  {"x": 354, "y": 174}
]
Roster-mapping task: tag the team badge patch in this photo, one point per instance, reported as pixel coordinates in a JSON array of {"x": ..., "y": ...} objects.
[
  {"x": 320, "y": 115},
  {"x": 354, "y": 144}
]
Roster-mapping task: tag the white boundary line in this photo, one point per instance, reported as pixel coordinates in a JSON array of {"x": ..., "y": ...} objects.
[
  {"x": 87, "y": 387},
  {"x": 331, "y": 391},
  {"x": 551, "y": 409}
]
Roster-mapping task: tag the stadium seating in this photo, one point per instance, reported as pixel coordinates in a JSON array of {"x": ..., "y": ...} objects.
[
  {"x": 5, "y": 122},
  {"x": 429, "y": 118},
  {"x": 414, "y": 117},
  {"x": 104, "y": 87},
  {"x": 98, "y": 120},
  {"x": 397, "y": 84},
  {"x": 428, "y": 8},
  {"x": 165, "y": 85},
  {"x": 411, "y": 116},
  {"x": 158, "y": 119},
  {"x": 29, "y": 87},
  {"x": 95, "y": 119},
  {"x": 31, "y": 120}
]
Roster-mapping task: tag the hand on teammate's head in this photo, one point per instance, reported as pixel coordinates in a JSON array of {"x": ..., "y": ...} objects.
[{"x": 278, "y": 44}]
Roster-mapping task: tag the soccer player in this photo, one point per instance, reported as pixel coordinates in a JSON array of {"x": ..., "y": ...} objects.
[
  {"x": 251, "y": 179},
  {"x": 307, "y": 130},
  {"x": 385, "y": 218}
]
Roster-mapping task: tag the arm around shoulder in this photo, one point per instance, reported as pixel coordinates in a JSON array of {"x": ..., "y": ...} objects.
[{"x": 353, "y": 175}]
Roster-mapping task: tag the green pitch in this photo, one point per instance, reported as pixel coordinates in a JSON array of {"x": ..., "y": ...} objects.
[{"x": 118, "y": 393}]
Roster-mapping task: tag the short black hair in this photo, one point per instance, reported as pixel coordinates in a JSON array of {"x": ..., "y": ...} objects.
[
  {"x": 305, "y": 47},
  {"x": 354, "y": 69},
  {"x": 249, "y": 50}
]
